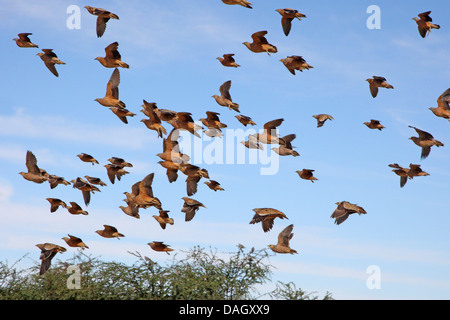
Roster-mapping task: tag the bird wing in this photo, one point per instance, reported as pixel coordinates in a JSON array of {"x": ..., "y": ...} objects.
[
  {"x": 353, "y": 207},
  {"x": 111, "y": 51},
  {"x": 31, "y": 163},
  {"x": 285, "y": 236},
  {"x": 101, "y": 25},
  {"x": 258, "y": 37},
  {"x": 444, "y": 99},
  {"x": 225, "y": 90},
  {"x": 24, "y": 36},
  {"x": 146, "y": 185},
  {"x": 422, "y": 134},
  {"x": 425, "y": 16},
  {"x": 273, "y": 124},
  {"x": 112, "y": 88},
  {"x": 286, "y": 23}
]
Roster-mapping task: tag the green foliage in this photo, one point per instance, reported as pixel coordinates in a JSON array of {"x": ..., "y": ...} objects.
[{"x": 200, "y": 275}]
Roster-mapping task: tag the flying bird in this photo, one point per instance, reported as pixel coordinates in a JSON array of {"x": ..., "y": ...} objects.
[
  {"x": 142, "y": 193},
  {"x": 171, "y": 149},
  {"x": 114, "y": 171},
  {"x": 321, "y": 118},
  {"x": 160, "y": 246},
  {"x": 190, "y": 208},
  {"x": 227, "y": 60},
  {"x": 95, "y": 180},
  {"x": 284, "y": 237},
  {"x": 163, "y": 218},
  {"x": 24, "y": 41},
  {"x": 425, "y": 140},
  {"x": 287, "y": 15},
  {"x": 443, "y": 108},
  {"x": 184, "y": 121},
  {"x": 75, "y": 209},
  {"x": 117, "y": 161},
  {"x": 414, "y": 170},
  {"x": 55, "y": 203},
  {"x": 344, "y": 209},
  {"x": 122, "y": 113},
  {"x": 85, "y": 188},
  {"x": 266, "y": 216},
  {"x": 424, "y": 24},
  {"x": 293, "y": 63},
  {"x": 260, "y": 44},
  {"x": 34, "y": 173},
  {"x": 48, "y": 252},
  {"x": 112, "y": 59},
  {"x": 111, "y": 98},
  {"x": 377, "y": 82},
  {"x": 224, "y": 99},
  {"x": 374, "y": 124},
  {"x": 87, "y": 158},
  {"x": 243, "y": 3},
  {"x": 269, "y": 134},
  {"x": 75, "y": 242},
  {"x": 245, "y": 120},
  {"x": 55, "y": 180},
  {"x": 286, "y": 148},
  {"x": 307, "y": 174},
  {"x": 50, "y": 59},
  {"x": 103, "y": 17},
  {"x": 212, "y": 122},
  {"x": 153, "y": 122},
  {"x": 252, "y": 142},
  {"x": 194, "y": 174},
  {"x": 214, "y": 185},
  {"x": 110, "y": 232}
]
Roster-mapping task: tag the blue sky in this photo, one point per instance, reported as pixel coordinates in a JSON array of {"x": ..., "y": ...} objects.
[{"x": 172, "y": 50}]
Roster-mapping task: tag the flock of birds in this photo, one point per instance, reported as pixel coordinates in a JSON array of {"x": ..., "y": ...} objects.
[{"x": 174, "y": 161}]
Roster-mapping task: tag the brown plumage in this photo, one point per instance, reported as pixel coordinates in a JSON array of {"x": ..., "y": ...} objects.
[
  {"x": 260, "y": 43},
  {"x": 293, "y": 63},
  {"x": 55, "y": 203},
  {"x": 286, "y": 148},
  {"x": 243, "y": 3},
  {"x": 75, "y": 242},
  {"x": 131, "y": 209},
  {"x": 48, "y": 252},
  {"x": 252, "y": 142},
  {"x": 171, "y": 149},
  {"x": 34, "y": 173},
  {"x": 424, "y": 23},
  {"x": 122, "y": 113},
  {"x": 414, "y": 170},
  {"x": 110, "y": 232},
  {"x": 306, "y": 174},
  {"x": 85, "y": 188},
  {"x": 284, "y": 238},
  {"x": 163, "y": 218},
  {"x": 55, "y": 180},
  {"x": 224, "y": 99},
  {"x": 75, "y": 208},
  {"x": 287, "y": 15},
  {"x": 269, "y": 134},
  {"x": 377, "y": 82},
  {"x": 443, "y": 108},
  {"x": 163, "y": 114},
  {"x": 160, "y": 246},
  {"x": 425, "y": 140},
  {"x": 245, "y": 120},
  {"x": 228, "y": 60},
  {"x": 190, "y": 208},
  {"x": 120, "y": 162},
  {"x": 111, "y": 98},
  {"x": 344, "y": 209},
  {"x": 50, "y": 59},
  {"x": 266, "y": 216},
  {"x": 24, "y": 41},
  {"x": 95, "y": 180},
  {"x": 194, "y": 174},
  {"x": 184, "y": 121},
  {"x": 374, "y": 124},
  {"x": 103, "y": 17},
  {"x": 321, "y": 118},
  {"x": 212, "y": 122},
  {"x": 142, "y": 193},
  {"x": 112, "y": 59},
  {"x": 114, "y": 171},
  {"x": 87, "y": 158},
  {"x": 153, "y": 122},
  {"x": 214, "y": 185}
]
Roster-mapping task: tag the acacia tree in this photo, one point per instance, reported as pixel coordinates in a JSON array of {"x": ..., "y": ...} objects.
[{"x": 199, "y": 275}]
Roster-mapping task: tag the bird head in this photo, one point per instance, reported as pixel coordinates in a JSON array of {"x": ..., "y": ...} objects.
[
  {"x": 40, "y": 54},
  {"x": 271, "y": 246},
  {"x": 416, "y": 19},
  {"x": 247, "y": 44},
  {"x": 98, "y": 58}
]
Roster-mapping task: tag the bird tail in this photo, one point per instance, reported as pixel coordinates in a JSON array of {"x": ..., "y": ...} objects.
[
  {"x": 439, "y": 144},
  {"x": 124, "y": 65},
  {"x": 435, "y": 26}
]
